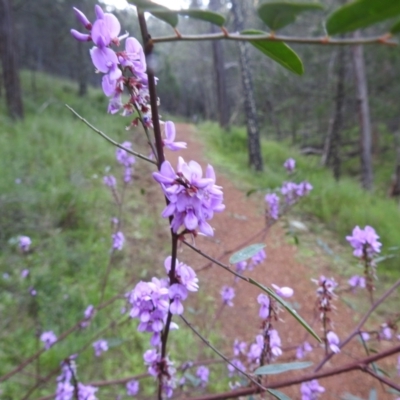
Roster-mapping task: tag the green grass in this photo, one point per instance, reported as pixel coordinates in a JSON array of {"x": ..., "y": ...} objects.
[{"x": 339, "y": 205}]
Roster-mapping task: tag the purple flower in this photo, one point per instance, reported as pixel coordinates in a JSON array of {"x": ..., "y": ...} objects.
[
  {"x": 227, "y": 294},
  {"x": 333, "y": 341},
  {"x": 273, "y": 205},
  {"x": 177, "y": 293},
  {"x": 239, "y": 348},
  {"x": 238, "y": 364},
  {"x": 184, "y": 274},
  {"x": 86, "y": 392},
  {"x": 303, "y": 189},
  {"x": 386, "y": 332},
  {"x": 283, "y": 291},
  {"x": 123, "y": 157},
  {"x": 311, "y": 390},
  {"x": 169, "y": 141},
  {"x": 203, "y": 373},
  {"x": 100, "y": 346},
  {"x": 365, "y": 336},
  {"x": 118, "y": 240},
  {"x": 110, "y": 181},
  {"x": 257, "y": 259},
  {"x": 128, "y": 174},
  {"x": 132, "y": 388},
  {"x": 64, "y": 391},
  {"x": 275, "y": 343},
  {"x": 290, "y": 164},
  {"x": 241, "y": 266},
  {"x": 302, "y": 350},
  {"x": 152, "y": 359},
  {"x": 256, "y": 349},
  {"x": 357, "y": 281},
  {"x": 89, "y": 312},
  {"x": 364, "y": 241},
  {"x": 193, "y": 199},
  {"x": 24, "y": 243},
  {"x": 48, "y": 338},
  {"x": 24, "y": 273},
  {"x": 264, "y": 301}
]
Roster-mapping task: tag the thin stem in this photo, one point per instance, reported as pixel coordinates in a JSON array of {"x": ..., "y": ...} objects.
[
  {"x": 103, "y": 135},
  {"x": 207, "y": 342},
  {"x": 322, "y": 40},
  {"x": 148, "y": 48}
]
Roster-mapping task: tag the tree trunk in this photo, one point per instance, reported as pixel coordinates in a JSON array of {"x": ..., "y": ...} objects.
[
  {"x": 365, "y": 121},
  {"x": 9, "y": 62},
  {"x": 253, "y": 134},
  {"x": 219, "y": 68},
  {"x": 331, "y": 154}
]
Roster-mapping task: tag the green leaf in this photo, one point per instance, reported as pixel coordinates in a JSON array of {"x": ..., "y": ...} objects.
[
  {"x": 204, "y": 15},
  {"x": 278, "y": 395},
  {"x": 246, "y": 253},
  {"x": 278, "y": 14},
  {"x": 395, "y": 28},
  {"x": 360, "y": 14},
  {"x": 287, "y": 308},
  {"x": 278, "y": 51},
  {"x": 157, "y": 11},
  {"x": 274, "y": 369}
]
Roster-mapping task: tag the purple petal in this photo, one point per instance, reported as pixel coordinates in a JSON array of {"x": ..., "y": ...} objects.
[
  {"x": 82, "y": 18},
  {"x": 81, "y": 37},
  {"x": 103, "y": 59},
  {"x": 170, "y": 131}
]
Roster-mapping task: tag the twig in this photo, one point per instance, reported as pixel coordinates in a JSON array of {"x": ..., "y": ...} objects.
[
  {"x": 207, "y": 342},
  {"x": 322, "y": 40},
  {"x": 103, "y": 135}
]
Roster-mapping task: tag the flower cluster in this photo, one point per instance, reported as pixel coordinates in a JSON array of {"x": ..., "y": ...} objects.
[
  {"x": 364, "y": 242},
  {"x": 193, "y": 200},
  {"x": 66, "y": 390},
  {"x": 104, "y": 33},
  {"x": 293, "y": 191},
  {"x": 272, "y": 201},
  {"x": 87, "y": 315},
  {"x": 159, "y": 367},
  {"x": 151, "y": 301},
  {"x": 126, "y": 160}
]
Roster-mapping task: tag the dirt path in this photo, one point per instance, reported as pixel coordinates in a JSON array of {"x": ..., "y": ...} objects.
[{"x": 241, "y": 219}]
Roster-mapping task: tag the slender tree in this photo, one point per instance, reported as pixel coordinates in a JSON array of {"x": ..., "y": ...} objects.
[
  {"x": 220, "y": 76},
  {"x": 8, "y": 53},
  {"x": 364, "y": 114},
  {"x": 253, "y": 133}
]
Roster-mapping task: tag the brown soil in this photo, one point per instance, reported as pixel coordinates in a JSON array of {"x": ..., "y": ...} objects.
[{"x": 242, "y": 218}]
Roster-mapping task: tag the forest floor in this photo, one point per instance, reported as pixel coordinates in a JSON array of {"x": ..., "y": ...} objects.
[{"x": 286, "y": 265}]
